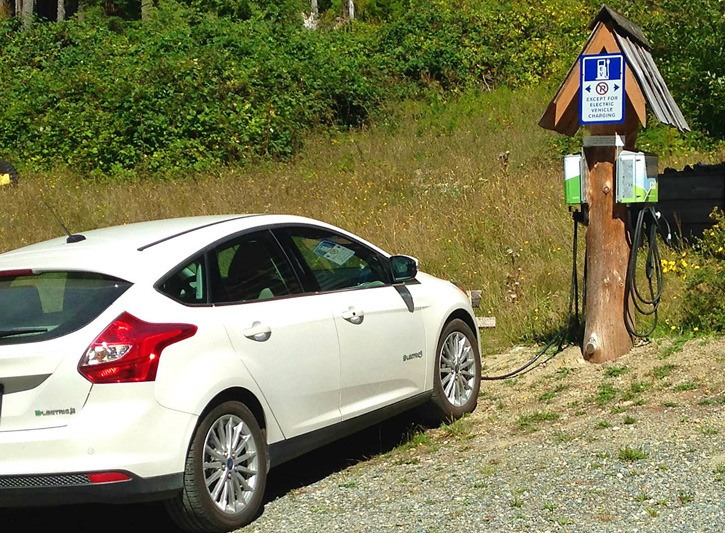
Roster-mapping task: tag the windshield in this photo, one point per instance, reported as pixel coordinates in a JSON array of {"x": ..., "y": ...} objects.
[{"x": 37, "y": 307}]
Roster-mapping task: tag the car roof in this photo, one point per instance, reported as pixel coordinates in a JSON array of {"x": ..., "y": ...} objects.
[{"x": 143, "y": 249}]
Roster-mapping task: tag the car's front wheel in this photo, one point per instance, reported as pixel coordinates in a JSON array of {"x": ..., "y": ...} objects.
[
  {"x": 226, "y": 471},
  {"x": 457, "y": 373}
]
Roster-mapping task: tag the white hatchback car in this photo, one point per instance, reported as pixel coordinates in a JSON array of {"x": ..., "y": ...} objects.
[{"x": 181, "y": 359}]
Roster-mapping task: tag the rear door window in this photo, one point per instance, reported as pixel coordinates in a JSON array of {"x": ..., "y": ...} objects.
[
  {"x": 253, "y": 267},
  {"x": 38, "y": 307}
]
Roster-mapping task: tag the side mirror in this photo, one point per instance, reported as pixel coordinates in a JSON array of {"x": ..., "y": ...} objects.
[{"x": 404, "y": 268}]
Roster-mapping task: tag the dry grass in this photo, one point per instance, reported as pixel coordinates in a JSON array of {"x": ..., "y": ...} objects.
[{"x": 429, "y": 182}]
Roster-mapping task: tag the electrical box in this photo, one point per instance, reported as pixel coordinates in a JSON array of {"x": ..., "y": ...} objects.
[
  {"x": 636, "y": 177},
  {"x": 575, "y": 179}
]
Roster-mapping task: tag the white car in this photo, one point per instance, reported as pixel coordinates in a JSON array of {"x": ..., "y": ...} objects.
[{"x": 181, "y": 359}]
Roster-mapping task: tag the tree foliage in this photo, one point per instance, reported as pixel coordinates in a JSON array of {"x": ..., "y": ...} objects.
[{"x": 214, "y": 82}]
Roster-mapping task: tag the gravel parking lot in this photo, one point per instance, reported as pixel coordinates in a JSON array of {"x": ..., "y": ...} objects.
[{"x": 633, "y": 445}]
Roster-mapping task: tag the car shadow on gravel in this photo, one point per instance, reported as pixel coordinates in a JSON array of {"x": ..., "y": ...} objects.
[
  {"x": 318, "y": 464},
  {"x": 295, "y": 474}
]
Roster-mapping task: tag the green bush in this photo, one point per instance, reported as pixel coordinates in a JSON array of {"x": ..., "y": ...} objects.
[
  {"x": 225, "y": 82},
  {"x": 178, "y": 92},
  {"x": 704, "y": 299}
]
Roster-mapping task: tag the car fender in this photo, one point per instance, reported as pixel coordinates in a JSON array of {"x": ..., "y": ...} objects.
[
  {"x": 441, "y": 301},
  {"x": 191, "y": 384}
]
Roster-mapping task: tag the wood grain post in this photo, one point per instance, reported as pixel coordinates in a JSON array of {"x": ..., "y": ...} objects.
[{"x": 607, "y": 252}]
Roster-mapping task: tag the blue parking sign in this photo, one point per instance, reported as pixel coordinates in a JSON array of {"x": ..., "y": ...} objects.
[{"x": 601, "y": 89}]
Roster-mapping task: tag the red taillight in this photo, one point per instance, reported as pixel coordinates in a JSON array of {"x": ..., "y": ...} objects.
[
  {"x": 108, "y": 477},
  {"x": 128, "y": 350},
  {"x": 15, "y": 273}
]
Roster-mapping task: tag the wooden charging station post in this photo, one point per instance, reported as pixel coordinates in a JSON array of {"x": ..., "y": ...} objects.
[{"x": 606, "y": 336}]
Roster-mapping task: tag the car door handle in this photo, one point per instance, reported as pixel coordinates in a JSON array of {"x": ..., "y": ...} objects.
[
  {"x": 352, "y": 315},
  {"x": 258, "y": 332}
]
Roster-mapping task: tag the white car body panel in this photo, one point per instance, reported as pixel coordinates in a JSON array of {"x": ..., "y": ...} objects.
[
  {"x": 300, "y": 380},
  {"x": 371, "y": 347},
  {"x": 98, "y": 437},
  {"x": 312, "y": 368}
]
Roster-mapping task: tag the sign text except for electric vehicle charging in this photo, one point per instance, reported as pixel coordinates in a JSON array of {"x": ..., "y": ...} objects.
[{"x": 601, "y": 89}]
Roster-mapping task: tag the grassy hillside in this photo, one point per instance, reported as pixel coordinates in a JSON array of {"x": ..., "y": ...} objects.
[{"x": 427, "y": 180}]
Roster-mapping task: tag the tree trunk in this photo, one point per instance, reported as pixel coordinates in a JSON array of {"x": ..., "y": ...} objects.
[
  {"x": 5, "y": 9},
  {"x": 25, "y": 8},
  {"x": 310, "y": 21},
  {"x": 147, "y": 7},
  {"x": 61, "y": 10},
  {"x": 348, "y": 9},
  {"x": 607, "y": 254}
]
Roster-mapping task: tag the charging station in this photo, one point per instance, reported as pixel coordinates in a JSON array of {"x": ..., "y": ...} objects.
[
  {"x": 636, "y": 177},
  {"x": 575, "y": 179},
  {"x": 607, "y": 90}
]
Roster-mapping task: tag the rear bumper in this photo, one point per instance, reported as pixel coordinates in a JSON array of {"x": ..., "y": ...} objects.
[{"x": 73, "y": 488}]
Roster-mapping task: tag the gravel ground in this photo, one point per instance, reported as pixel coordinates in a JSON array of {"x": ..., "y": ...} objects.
[{"x": 632, "y": 445}]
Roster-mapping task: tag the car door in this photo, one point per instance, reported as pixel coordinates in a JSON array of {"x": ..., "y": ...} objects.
[
  {"x": 287, "y": 341},
  {"x": 382, "y": 339}
]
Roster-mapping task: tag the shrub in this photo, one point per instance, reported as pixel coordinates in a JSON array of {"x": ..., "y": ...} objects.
[{"x": 704, "y": 299}]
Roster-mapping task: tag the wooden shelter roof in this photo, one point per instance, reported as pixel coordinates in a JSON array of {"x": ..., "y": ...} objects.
[{"x": 644, "y": 85}]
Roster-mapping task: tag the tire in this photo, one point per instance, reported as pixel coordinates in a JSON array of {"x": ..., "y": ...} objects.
[
  {"x": 225, "y": 474},
  {"x": 457, "y": 373}
]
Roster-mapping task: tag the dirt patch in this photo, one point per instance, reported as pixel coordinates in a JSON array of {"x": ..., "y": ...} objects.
[{"x": 664, "y": 375}]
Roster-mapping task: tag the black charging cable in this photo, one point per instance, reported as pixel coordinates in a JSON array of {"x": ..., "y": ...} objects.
[
  {"x": 573, "y": 324},
  {"x": 645, "y": 301}
]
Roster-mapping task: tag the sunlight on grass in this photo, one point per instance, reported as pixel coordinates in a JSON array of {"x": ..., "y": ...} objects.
[{"x": 428, "y": 182}]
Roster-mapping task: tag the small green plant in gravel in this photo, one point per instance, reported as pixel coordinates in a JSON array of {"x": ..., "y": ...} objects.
[
  {"x": 712, "y": 401},
  {"x": 669, "y": 404},
  {"x": 490, "y": 469},
  {"x": 685, "y": 386},
  {"x": 629, "y": 420},
  {"x": 661, "y": 372},
  {"x": 719, "y": 472},
  {"x": 604, "y": 424},
  {"x": 674, "y": 347},
  {"x": 518, "y": 500},
  {"x": 549, "y": 395},
  {"x": 459, "y": 429},
  {"x": 638, "y": 387},
  {"x": 685, "y": 497},
  {"x": 642, "y": 497},
  {"x": 606, "y": 393},
  {"x": 614, "y": 371},
  {"x": 529, "y": 423},
  {"x": 417, "y": 439},
  {"x": 630, "y": 455}
]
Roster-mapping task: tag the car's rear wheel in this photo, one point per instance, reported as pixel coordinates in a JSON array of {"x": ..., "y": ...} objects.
[
  {"x": 457, "y": 373},
  {"x": 226, "y": 471}
]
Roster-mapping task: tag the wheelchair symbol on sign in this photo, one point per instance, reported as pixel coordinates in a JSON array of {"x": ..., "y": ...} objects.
[{"x": 601, "y": 88}]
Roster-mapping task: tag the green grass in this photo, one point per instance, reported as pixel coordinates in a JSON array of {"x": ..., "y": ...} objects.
[
  {"x": 425, "y": 180},
  {"x": 630, "y": 455},
  {"x": 606, "y": 393},
  {"x": 673, "y": 347},
  {"x": 663, "y": 371},
  {"x": 614, "y": 371},
  {"x": 685, "y": 386},
  {"x": 530, "y": 422}
]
